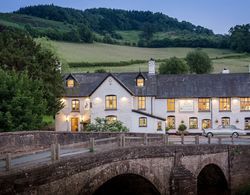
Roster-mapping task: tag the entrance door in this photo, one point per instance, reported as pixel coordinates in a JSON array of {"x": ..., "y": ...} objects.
[
  {"x": 206, "y": 123},
  {"x": 74, "y": 124}
]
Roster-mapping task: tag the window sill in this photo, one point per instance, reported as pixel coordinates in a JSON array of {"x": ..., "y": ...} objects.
[
  {"x": 110, "y": 109},
  {"x": 225, "y": 110},
  {"x": 170, "y": 111},
  {"x": 75, "y": 110},
  {"x": 204, "y": 110},
  {"x": 142, "y": 109},
  {"x": 142, "y": 126},
  {"x": 245, "y": 111}
]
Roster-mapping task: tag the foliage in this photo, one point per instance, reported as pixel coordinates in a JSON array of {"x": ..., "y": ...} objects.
[
  {"x": 121, "y": 63},
  {"x": 102, "y": 125},
  {"x": 182, "y": 127},
  {"x": 173, "y": 66},
  {"x": 100, "y": 70},
  {"x": 199, "y": 62},
  {"x": 19, "y": 52},
  {"x": 107, "y": 21},
  {"x": 240, "y": 38},
  {"x": 22, "y": 105}
]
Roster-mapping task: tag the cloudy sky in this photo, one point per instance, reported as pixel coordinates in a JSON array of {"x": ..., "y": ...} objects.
[{"x": 218, "y": 15}]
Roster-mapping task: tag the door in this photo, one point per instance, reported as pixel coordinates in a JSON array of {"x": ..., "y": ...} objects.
[{"x": 74, "y": 124}]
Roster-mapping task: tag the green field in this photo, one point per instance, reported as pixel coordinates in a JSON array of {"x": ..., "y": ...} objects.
[{"x": 97, "y": 52}]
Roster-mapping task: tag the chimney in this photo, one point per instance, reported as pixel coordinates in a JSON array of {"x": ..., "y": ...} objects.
[
  {"x": 225, "y": 71},
  {"x": 151, "y": 66}
]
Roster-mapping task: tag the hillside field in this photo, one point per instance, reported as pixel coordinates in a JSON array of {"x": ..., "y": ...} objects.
[{"x": 97, "y": 52}]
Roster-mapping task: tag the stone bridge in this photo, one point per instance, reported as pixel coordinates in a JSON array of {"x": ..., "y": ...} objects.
[{"x": 170, "y": 169}]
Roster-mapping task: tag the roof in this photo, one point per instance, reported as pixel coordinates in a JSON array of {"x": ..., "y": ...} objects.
[
  {"x": 149, "y": 115},
  {"x": 166, "y": 86}
]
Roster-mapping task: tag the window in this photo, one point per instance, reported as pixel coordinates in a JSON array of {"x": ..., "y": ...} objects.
[
  {"x": 204, "y": 104},
  {"x": 159, "y": 126},
  {"x": 225, "y": 104},
  {"x": 193, "y": 123},
  {"x": 171, "y": 122},
  {"x": 111, "y": 102},
  {"x": 247, "y": 123},
  {"x": 170, "y": 105},
  {"x": 111, "y": 118},
  {"x": 70, "y": 83},
  {"x": 225, "y": 121},
  {"x": 139, "y": 82},
  {"x": 245, "y": 104},
  {"x": 75, "y": 104},
  {"x": 141, "y": 103},
  {"x": 142, "y": 122},
  {"x": 206, "y": 123}
]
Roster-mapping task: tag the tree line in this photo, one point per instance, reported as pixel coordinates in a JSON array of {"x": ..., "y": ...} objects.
[
  {"x": 30, "y": 82},
  {"x": 86, "y": 24}
]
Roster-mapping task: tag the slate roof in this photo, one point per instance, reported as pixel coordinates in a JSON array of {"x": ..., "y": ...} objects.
[{"x": 167, "y": 86}]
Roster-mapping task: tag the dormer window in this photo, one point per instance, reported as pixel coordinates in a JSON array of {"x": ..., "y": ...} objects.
[
  {"x": 70, "y": 83},
  {"x": 140, "y": 82}
]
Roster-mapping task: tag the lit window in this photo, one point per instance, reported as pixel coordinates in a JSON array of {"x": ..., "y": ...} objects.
[
  {"x": 141, "y": 103},
  {"x": 225, "y": 121},
  {"x": 139, "y": 82},
  {"x": 159, "y": 126},
  {"x": 111, "y": 118},
  {"x": 111, "y": 102},
  {"x": 247, "y": 123},
  {"x": 193, "y": 123},
  {"x": 75, "y": 105},
  {"x": 206, "y": 123},
  {"x": 225, "y": 104},
  {"x": 245, "y": 104},
  {"x": 142, "y": 122},
  {"x": 170, "y": 105},
  {"x": 204, "y": 104},
  {"x": 70, "y": 83},
  {"x": 171, "y": 122}
]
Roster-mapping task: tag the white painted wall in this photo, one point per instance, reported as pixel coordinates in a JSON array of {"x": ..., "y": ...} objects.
[{"x": 126, "y": 102}]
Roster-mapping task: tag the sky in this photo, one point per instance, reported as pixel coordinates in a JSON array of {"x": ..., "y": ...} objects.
[{"x": 218, "y": 15}]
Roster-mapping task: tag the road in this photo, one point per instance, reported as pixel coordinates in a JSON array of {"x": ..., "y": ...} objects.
[{"x": 27, "y": 160}]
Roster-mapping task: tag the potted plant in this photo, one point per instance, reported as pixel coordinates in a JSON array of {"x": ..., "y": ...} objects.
[{"x": 182, "y": 129}]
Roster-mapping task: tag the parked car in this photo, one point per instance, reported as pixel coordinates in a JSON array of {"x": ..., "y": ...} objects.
[{"x": 224, "y": 130}]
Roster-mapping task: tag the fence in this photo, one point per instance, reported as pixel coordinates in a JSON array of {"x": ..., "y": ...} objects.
[{"x": 126, "y": 141}]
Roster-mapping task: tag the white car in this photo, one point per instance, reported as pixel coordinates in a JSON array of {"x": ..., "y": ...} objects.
[{"x": 224, "y": 130}]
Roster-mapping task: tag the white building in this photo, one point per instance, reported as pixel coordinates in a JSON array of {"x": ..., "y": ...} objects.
[{"x": 148, "y": 102}]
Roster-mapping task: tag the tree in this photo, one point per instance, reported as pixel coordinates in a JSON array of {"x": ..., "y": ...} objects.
[
  {"x": 102, "y": 125},
  {"x": 240, "y": 38},
  {"x": 173, "y": 66},
  {"x": 199, "y": 62},
  {"x": 22, "y": 105},
  {"x": 19, "y": 52}
]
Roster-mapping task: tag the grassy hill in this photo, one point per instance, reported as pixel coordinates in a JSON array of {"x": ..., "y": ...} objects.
[{"x": 101, "y": 53}]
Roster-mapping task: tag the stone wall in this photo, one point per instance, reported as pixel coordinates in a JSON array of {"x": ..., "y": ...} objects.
[
  {"x": 169, "y": 168},
  {"x": 34, "y": 140},
  {"x": 239, "y": 167}
]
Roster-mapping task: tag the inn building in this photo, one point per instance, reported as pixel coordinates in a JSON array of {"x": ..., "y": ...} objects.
[{"x": 148, "y": 102}]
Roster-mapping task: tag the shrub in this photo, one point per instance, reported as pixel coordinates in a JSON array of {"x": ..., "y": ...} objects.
[
  {"x": 102, "y": 125},
  {"x": 182, "y": 127}
]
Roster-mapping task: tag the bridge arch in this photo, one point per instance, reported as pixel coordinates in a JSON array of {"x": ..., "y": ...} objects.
[
  {"x": 119, "y": 170},
  {"x": 212, "y": 180},
  {"x": 127, "y": 184}
]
